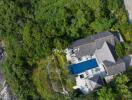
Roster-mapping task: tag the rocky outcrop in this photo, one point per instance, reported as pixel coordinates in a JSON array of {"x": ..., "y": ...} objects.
[
  {"x": 5, "y": 91},
  {"x": 128, "y": 5}
]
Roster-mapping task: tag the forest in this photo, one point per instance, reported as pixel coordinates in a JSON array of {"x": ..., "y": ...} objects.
[{"x": 36, "y": 31}]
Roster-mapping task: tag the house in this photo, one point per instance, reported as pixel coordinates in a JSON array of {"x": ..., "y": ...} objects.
[{"x": 92, "y": 61}]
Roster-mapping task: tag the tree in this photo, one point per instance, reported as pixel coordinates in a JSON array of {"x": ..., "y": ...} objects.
[
  {"x": 121, "y": 87},
  {"x": 102, "y": 24},
  {"x": 31, "y": 29},
  {"x": 121, "y": 79},
  {"x": 114, "y": 5},
  {"x": 94, "y": 4},
  {"x": 119, "y": 50},
  {"x": 105, "y": 94},
  {"x": 126, "y": 30}
]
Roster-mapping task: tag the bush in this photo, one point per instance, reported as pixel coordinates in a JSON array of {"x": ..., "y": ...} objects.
[{"x": 119, "y": 49}]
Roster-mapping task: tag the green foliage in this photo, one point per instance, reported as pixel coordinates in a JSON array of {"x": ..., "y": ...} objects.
[
  {"x": 65, "y": 19},
  {"x": 126, "y": 30},
  {"x": 40, "y": 79},
  {"x": 122, "y": 88},
  {"x": 94, "y": 4},
  {"x": 61, "y": 64},
  {"x": 119, "y": 49},
  {"x": 105, "y": 94},
  {"x": 129, "y": 73},
  {"x": 43, "y": 77},
  {"x": 101, "y": 25},
  {"x": 27, "y": 39},
  {"x": 114, "y": 5},
  {"x": 78, "y": 96},
  {"x": 122, "y": 79},
  {"x": 31, "y": 29},
  {"x": 18, "y": 71},
  {"x": 116, "y": 90}
]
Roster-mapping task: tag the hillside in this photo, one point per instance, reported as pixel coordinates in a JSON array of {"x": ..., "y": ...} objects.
[{"x": 32, "y": 29}]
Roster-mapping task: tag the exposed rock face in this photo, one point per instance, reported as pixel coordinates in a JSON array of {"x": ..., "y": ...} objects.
[
  {"x": 5, "y": 91},
  {"x": 128, "y": 5}
]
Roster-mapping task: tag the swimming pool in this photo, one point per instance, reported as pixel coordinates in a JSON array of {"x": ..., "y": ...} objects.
[{"x": 83, "y": 66}]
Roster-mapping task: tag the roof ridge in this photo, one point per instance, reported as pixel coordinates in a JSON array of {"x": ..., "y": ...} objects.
[{"x": 89, "y": 39}]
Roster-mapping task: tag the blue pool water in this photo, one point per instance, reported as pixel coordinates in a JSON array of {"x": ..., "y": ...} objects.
[{"x": 83, "y": 66}]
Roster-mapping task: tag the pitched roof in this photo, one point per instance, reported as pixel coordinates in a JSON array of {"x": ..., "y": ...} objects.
[
  {"x": 88, "y": 45},
  {"x": 97, "y": 79},
  {"x": 95, "y": 82},
  {"x": 90, "y": 39},
  {"x": 108, "y": 63},
  {"x": 104, "y": 54},
  {"x": 87, "y": 49},
  {"x": 117, "y": 68}
]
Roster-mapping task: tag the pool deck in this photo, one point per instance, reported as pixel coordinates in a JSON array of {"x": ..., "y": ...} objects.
[{"x": 83, "y": 66}]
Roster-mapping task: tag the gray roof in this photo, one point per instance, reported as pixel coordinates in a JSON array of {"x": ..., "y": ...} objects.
[
  {"x": 116, "y": 68},
  {"x": 104, "y": 54},
  {"x": 97, "y": 79},
  {"x": 88, "y": 45},
  {"x": 88, "y": 49},
  {"x": 108, "y": 63},
  {"x": 118, "y": 37},
  {"x": 128, "y": 60},
  {"x": 90, "y": 39}
]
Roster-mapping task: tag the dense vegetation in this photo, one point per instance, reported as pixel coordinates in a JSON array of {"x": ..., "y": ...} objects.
[
  {"x": 119, "y": 50},
  {"x": 118, "y": 90},
  {"x": 31, "y": 29}
]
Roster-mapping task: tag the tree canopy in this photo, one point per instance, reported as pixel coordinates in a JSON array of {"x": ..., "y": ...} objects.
[
  {"x": 32, "y": 29},
  {"x": 118, "y": 89}
]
